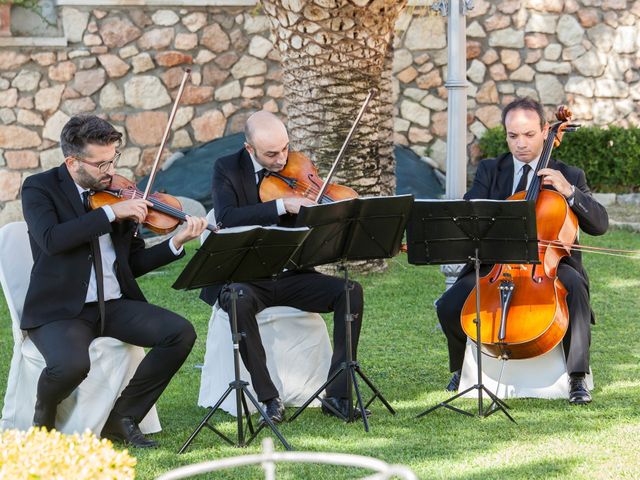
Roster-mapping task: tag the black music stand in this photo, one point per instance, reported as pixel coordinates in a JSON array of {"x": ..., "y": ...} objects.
[
  {"x": 357, "y": 229},
  {"x": 480, "y": 231},
  {"x": 230, "y": 256}
]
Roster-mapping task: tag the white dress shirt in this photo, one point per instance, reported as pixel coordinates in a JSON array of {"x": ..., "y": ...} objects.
[
  {"x": 279, "y": 202},
  {"x": 517, "y": 172},
  {"x": 108, "y": 254}
]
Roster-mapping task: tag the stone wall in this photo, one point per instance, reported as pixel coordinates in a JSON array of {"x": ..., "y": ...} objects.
[
  {"x": 580, "y": 52},
  {"x": 125, "y": 63}
]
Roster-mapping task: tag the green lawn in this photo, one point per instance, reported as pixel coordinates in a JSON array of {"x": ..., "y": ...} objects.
[{"x": 404, "y": 353}]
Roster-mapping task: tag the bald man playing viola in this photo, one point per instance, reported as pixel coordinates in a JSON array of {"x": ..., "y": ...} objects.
[{"x": 235, "y": 186}]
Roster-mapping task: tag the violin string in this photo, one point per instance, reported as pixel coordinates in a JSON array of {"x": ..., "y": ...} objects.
[
  {"x": 311, "y": 188},
  {"x": 165, "y": 207}
]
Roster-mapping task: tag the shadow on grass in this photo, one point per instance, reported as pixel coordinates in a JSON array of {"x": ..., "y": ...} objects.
[{"x": 531, "y": 470}]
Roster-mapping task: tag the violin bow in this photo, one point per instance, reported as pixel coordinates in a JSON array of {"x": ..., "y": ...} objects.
[
  {"x": 154, "y": 168},
  {"x": 347, "y": 140},
  {"x": 165, "y": 136}
]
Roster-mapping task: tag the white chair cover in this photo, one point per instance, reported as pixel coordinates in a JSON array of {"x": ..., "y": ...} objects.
[
  {"x": 297, "y": 348},
  {"x": 544, "y": 376},
  {"x": 298, "y": 356},
  {"x": 112, "y": 362}
]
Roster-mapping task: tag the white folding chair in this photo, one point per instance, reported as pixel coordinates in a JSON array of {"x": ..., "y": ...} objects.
[
  {"x": 297, "y": 348},
  {"x": 113, "y": 362},
  {"x": 544, "y": 376}
]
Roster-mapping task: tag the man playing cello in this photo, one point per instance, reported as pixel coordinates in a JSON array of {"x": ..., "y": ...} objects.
[
  {"x": 236, "y": 180},
  {"x": 497, "y": 179}
]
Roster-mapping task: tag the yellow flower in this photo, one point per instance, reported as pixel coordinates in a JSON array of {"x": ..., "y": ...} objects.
[{"x": 39, "y": 454}]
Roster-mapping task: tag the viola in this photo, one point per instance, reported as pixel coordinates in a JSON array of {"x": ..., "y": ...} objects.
[
  {"x": 523, "y": 308},
  {"x": 163, "y": 216},
  {"x": 300, "y": 178}
]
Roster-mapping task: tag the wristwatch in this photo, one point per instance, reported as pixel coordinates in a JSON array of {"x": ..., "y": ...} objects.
[{"x": 573, "y": 193}]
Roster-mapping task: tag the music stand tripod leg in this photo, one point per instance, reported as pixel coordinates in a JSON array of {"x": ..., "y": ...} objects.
[
  {"x": 499, "y": 404},
  {"x": 350, "y": 367},
  {"x": 354, "y": 367},
  {"x": 241, "y": 389},
  {"x": 479, "y": 386},
  {"x": 205, "y": 420},
  {"x": 374, "y": 389}
]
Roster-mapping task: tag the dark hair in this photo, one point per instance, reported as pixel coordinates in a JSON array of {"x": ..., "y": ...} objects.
[
  {"x": 83, "y": 130},
  {"x": 524, "y": 104}
]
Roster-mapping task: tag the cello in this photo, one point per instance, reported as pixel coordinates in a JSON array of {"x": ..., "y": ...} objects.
[{"x": 523, "y": 308}]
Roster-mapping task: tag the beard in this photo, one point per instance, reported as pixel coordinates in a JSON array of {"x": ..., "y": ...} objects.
[{"x": 97, "y": 184}]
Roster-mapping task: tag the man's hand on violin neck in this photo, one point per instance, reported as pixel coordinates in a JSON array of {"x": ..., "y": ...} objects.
[
  {"x": 134, "y": 209},
  {"x": 293, "y": 204},
  {"x": 556, "y": 179},
  {"x": 193, "y": 228}
]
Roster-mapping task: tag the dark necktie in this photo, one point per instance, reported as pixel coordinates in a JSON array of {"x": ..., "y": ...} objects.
[
  {"x": 261, "y": 174},
  {"x": 522, "y": 184},
  {"x": 97, "y": 263}
]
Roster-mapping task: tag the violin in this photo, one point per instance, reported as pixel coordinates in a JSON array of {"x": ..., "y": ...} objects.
[
  {"x": 162, "y": 217},
  {"x": 299, "y": 178},
  {"x": 165, "y": 213},
  {"x": 523, "y": 308}
]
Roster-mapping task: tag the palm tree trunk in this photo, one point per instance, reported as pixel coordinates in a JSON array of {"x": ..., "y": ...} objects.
[{"x": 332, "y": 53}]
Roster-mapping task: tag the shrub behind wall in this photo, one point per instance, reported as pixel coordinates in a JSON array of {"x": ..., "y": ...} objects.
[{"x": 610, "y": 157}]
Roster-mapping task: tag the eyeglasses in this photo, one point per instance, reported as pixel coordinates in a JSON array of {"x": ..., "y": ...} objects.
[{"x": 103, "y": 167}]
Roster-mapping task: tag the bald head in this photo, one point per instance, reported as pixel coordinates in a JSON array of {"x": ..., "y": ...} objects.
[
  {"x": 263, "y": 125},
  {"x": 267, "y": 140}
]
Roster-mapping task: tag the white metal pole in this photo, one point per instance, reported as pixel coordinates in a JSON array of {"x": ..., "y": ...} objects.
[
  {"x": 456, "y": 180},
  {"x": 457, "y": 96}
]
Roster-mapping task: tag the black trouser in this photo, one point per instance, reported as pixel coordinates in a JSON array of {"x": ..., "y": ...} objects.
[
  {"x": 64, "y": 344},
  {"x": 576, "y": 341},
  {"x": 309, "y": 291}
]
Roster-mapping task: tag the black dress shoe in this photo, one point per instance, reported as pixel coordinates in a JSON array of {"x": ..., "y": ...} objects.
[
  {"x": 125, "y": 430},
  {"x": 341, "y": 405},
  {"x": 44, "y": 416},
  {"x": 274, "y": 409},
  {"x": 578, "y": 391},
  {"x": 454, "y": 383}
]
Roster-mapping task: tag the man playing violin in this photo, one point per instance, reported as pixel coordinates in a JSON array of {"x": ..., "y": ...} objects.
[
  {"x": 236, "y": 180},
  {"x": 82, "y": 282},
  {"x": 498, "y": 178}
]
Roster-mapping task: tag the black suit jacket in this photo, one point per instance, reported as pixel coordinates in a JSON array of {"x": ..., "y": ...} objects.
[
  {"x": 60, "y": 233},
  {"x": 235, "y": 193},
  {"x": 236, "y": 202},
  {"x": 494, "y": 180}
]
